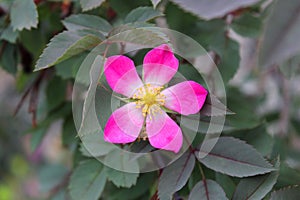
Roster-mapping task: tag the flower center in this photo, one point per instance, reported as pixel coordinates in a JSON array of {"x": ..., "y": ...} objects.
[{"x": 149, "y": 99}]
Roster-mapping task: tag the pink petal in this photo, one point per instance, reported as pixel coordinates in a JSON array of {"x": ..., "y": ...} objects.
[
  {"x": 185, "y": 98},
  {"x": 163, "y": 132},
  {"x": 124, "y": 125},
  {"x": 160, "y": 65},
  {"x": 121, "y": 75}
]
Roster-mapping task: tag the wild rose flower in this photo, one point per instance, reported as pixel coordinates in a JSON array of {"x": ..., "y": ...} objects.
[{"x": 144, "y": 116}]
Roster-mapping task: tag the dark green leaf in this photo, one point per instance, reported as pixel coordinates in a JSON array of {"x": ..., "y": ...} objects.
[
  {"x": 84, "y": 21},
  {"x": 257, "y": 187},
  {"x": 207, "y": 9},
  {"x": 88, "y": 180},
  {"x": 142, "y": 14},
  {"x": 207, "y": 190},
  {"x": 9, "y": 60},
  {"x": 233, "y": 157},
  {"x": 284, "y": 42},
  {"x": 175, "y": 176},
  {"x": 247, "y": 25},
  {"x": 290, "y": 193},
  {"x": 64, "y": 46},
  {"x": 69, "y": 132},
  {"x": 55, "y": 92},
  {"x": 90, "y": 4},
  {"x": 23, "y": 15},
  {"x": 228, "y": 50},
  {"x": 69, "y": 68}
]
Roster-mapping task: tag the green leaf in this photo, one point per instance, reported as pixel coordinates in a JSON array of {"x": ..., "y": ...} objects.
[
  {"x": 69, "y": 68},
  {"x": 9, "y": 34},
  {"x": 69, "y": 132},
  {"x": 247, "y": 25},
  {"x": 90, "y": 4},
  {"x": 175, "y": 176},
  {"x": 55, "y": 92},
  {"x": 85, "y": 21},
  {"x": 228, "y": 50},
  {"x": 207, "y": 9},
  {"x": 9, "y": 59},
  {"x": 23, "y": 15},
  {"x": 257, "y": 187},
  {"x": 284, "y": 42},
  {"x": 88, "y": 180},
  {"x": 290, "y": 193},
  {"x": 142, "y": 14},
  {"x": 93, "y": 144},
  {"x": 121, "y": 176},
  {"x": 207, "y": 190},
  {"x": 64, "y": 46},
  {"x": 287, "y": 175},
  {"x": 233, "y": 157}
]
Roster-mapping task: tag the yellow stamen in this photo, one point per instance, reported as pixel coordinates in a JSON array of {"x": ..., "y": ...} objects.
[{"x": 150, "y": 99}]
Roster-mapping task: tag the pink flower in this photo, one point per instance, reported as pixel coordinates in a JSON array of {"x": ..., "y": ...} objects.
[{"x": 144, "y": 117}]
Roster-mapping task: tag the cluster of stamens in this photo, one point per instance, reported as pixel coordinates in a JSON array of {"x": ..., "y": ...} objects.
[{"x": 150, "y": 99}]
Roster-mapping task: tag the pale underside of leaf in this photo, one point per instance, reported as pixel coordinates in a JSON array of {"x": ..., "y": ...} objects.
[
  {"x": 64, "y": 46},
  {"x": 208, "y": 9},
  {"x": 90, "y": 4}
]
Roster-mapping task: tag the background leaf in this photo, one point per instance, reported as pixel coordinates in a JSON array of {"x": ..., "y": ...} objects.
[
  {"x": 90, "y": 4},
  {"x": 207, "y": 9},
  {"x": 284, "y": 42},
  {"x": 23, "y": 15},
  {"x": 85, "y": 21},
  {"x": 287, "y": 193},
  {"x": 142, "y": 14}
]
